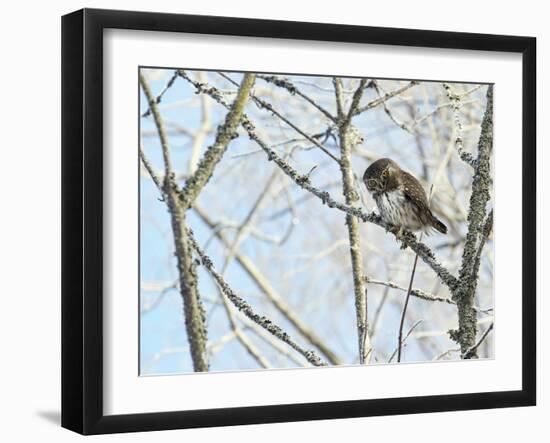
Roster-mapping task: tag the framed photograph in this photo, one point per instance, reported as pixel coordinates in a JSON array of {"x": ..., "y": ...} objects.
[{"x": 270, "y": 221}]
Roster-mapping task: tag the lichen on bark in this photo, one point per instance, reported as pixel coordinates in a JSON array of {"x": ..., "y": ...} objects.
[
  {"x": 225, "y": 133},
  {"x": 464, "y": 293}
]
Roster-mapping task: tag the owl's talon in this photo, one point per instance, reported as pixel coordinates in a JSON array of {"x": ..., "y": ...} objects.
[{"x": 399, "y": 232}]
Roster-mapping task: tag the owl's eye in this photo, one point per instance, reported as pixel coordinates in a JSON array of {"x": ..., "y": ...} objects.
[
  {"x": 372, "y": 183},
  {"x": 384, "y": 173}
]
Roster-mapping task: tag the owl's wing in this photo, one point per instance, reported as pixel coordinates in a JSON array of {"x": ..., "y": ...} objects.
[{"x": 414, "y": 191}]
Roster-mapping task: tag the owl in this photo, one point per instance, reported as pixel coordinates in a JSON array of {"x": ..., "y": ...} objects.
[{"x": 400, "y": 198}]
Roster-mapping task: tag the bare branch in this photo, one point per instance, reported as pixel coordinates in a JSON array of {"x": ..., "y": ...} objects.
[
  {"x": 247, "y": 220},
  {"x": 402, "y": 343},
  {"x": 290, "y": 87},
  {"x": 158, "y": 123},
  {"x": 390, "y": 113},
  {"x": 403, "y": 314},
  {"x": 414, "y": 292},
  {"x": 385, "y": 97},
  {"x": 200, "y": 136},
  {"x": 243, "y": 338},
  {"x": 459, "y": 143},
  {"x": 158, "y": 99},
  {"x": 423, "y": 295},
  {"x": 275, "y": 343},
  {"x": 156, "y": 179},
  {"x": 247, "y": 343},
  {"x": 159, "y": 298}
]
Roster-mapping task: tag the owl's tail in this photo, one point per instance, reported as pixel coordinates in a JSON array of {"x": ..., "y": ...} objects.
[{"x": 438, "y": 224}]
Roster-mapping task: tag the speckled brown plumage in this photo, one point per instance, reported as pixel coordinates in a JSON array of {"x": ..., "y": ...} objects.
[{"x": 400, "y": 197}]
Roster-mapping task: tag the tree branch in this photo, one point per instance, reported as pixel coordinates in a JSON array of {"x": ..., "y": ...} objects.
[
  {"x": 404, "y": 313},
  {"x": 376, "y": 102},
  {"x": 473, "y": 350},
  {"x": 247, "y": 310},
  {"x": 350, "y": 194},
  {"x": 290, "y": 87},
  {"x": 468, "y": 275},
  {"x": 418, "y": 293},
  {"x": 195, "y": 322},
  {"x": 226, "y": 132},
  {"x": 402, "y": 342},
  {"x": 158, "y": 99},
  {"x": 159, "y": 125},
  {"x": 454, "y": 99}
]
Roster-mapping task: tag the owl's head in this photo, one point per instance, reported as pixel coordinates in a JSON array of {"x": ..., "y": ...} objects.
[{"x": 381, "y": 175}]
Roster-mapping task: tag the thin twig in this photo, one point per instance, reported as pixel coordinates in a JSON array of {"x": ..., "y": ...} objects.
[
  {"x": 472, "y": 351},
  {"x": 454, "y": 99},
  {"x": 418, "y": 293},
  {"x": 159, "y": 124},
  {"x": 378, "y": 312},
  {"x": 154, "y": 176},
  {"x": 290, "y": 87},
  {"x": 413, "y": 327},
  {"x": 403, "y": 314},
  {"x": 158, "y": 98},
  {"x": 376, "y": 102},
  {"x": 445, "y": 353},
  {"x": 389, "y": 113}
]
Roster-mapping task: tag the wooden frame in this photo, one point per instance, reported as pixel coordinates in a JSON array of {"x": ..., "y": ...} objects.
[{"x": 82, "y": 218}]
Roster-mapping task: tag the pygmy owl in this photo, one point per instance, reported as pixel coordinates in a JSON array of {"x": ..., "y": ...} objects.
[{"x": 400, "y": 198}]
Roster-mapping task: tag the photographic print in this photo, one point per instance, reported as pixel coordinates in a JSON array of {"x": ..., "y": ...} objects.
[{"x": 298, "y": 221}]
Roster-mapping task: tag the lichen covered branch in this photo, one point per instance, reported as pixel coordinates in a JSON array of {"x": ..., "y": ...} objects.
[
  {"x": 347, "y": 141},
  {"x": 478, "y": 231},
  {"x": 194, "y": 314},
  {"x": 473, "y": 350},
  {"x": 225, "y": 133},
  {"x": 247, "y": 310}
]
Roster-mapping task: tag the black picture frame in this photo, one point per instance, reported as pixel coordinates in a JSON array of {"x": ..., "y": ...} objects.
[{"x": 82, "y": 220}]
